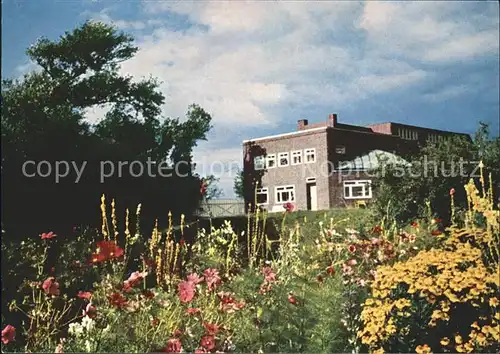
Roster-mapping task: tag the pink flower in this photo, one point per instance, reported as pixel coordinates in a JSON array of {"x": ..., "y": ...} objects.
[
  {"x": 292, "y": 299},
  {"x": 212, "y": 278},
  {"x": 452, "y": 191},
  {"x": 51, "y": 287},
  {"x": 352, "y": 262},
  {"x": 208, "y": 342},
  {"x": 289, "y": 207},
  {"x": 84, "y": 295},
  {"x": 352, "y": 248},
  {"x": 186, "y": 291},
  {"x": 269, "y": 275},
  {"x": 90, "y": 311},
  {"x": 211, "y": 328},
  {"x": 47, "y": 236},
  {"x": 194, "y": 278},
  {"x": 8, "y": 334},
  {"x": 174, "y": 345},
  {"x": 193, "y": 310},
  {"x": 134, "y": 279}
]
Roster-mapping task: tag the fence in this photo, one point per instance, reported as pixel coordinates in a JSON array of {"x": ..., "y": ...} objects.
[{"x": 222, "y": 208}]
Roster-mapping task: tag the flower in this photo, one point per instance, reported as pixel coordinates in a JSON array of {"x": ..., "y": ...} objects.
[
  {"x": 292, "y": 299},
  {"x": 436, "y": 232},
  {"x": 414, "y": 224},
  {"x": 228, "y": 303},
  {"x": 47, "y": 236},
  {"x": 134, "y": 279},
  {"x": 423, "y": 349},
  {"x": 377, "y": 229},
  {"x": 330, "y": 270},
  {"x": 203, "y": 187},
  {"x": 289, "y": 207},
  {"x": 117, "y": 300},
  {"x": 90, "y": 311},
  {"x": 445, "y": 341},
  {"x": 193, "y": 310},
  {"x": 186, "y": 291},
  {"x": 351, "y": 262},
  {"x": 84, "y": 295},
  {"x": 106, "y": 250},
  {"x": 352, "y": 248},
  {"x": 177, "y": 333},
  {"x": 8, "y": 334},
  {"x": 452, "y": 191},
  {"x": 51, "y": 287},
  {"x": 269, "y": 274},
  {"x": 194, "y": 278},
  {"x": 211, "y": 328},
  {"x": 148, "y": 294},
  {"x": 208, "y": 342},
  {"x": 200, "y": 351},
  {"x": 319, "y": 278},
  {"x": 174, "y": 345},
  {"x": 212, "y": 277}
]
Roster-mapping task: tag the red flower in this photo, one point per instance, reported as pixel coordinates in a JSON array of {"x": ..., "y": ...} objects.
[
  {"x": 84, "y": 295},
  {"x": 292, "y": 299},
  {"x": 117, "y": 300},
  {"x": 51, "y": 287},
  {"x": 106, "y": 250},
  {"x": 269, "y": 275},
  {"x": 352, "y": 248},
  {"x": 148, "y": 294},
  {"x": 436, "y": 232},
  {"x": 289, "y": 207},
  {"x": 177, "y": 333},
  {"x": 203, "y": 188},
  {"x": 319, "y": 278},
  {"x": 8, "y": 334},
  {"x": 134, "y": 279},
  {"x": 155, "y": 322},
  {"x": 186, "y": 291},
  {"x": 437, "y": 220},
  {"x": 211, "y": 328},
  {"x": 212, "y": 277},
  {"x": 174, "y": 345},
  {"x": 452, "y": 191},
  {"x": 47, "y": 236},
  {"x": 200, "y": 351},
  {"x": 193, "y": 310},
  {"x": 330, "y": 270},
  {"x": 228, "y": 303},
  {"x": 208, "y": 342},
  {"x": 377, "y": 229},
  {"x": 194, "y": 278},
  {"x": 182, "y": 242},
  {"x": 414, "y": 224},
  {"x": 90, "y": 311}
]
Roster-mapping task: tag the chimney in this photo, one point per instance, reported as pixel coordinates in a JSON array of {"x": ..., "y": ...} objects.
[
  {"x": 332, "y": 120},
  {"x": 302, "y": 124}
]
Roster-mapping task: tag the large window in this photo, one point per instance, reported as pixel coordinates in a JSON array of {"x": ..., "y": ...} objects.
[
  {"x": 360, "y": 189},
  {"x": 271, "y": 161},
  {"x": 285, "y": 194},
  {"x": 259, "y": 163},
  {"x": 283, "y": 159},
  {"x": 408, "y": 134},
  {"x": 262, "y": 196},
  {"x": 310, "y": 155},
  {"x": 296, "y": 157}
]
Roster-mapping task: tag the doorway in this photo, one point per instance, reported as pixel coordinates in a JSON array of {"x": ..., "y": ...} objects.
[{"x": 312, "y": 196}]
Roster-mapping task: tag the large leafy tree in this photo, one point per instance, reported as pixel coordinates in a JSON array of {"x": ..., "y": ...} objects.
[{"x": 43, "y": 118}]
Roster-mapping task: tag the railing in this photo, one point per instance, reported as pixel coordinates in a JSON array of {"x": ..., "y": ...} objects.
[{"x": 221, "y": 208}]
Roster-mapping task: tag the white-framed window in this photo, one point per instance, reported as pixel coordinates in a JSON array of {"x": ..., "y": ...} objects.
[
  {"x": 262, "y": 196},
  {"x": 408, "y": 134},
  {"x": 339, "y": 149},
  {"x": 284, "y": 194},
  {"x": 259, "y": 163},
  {"x": 358, "y": 189},
  {"x": 310, "y": 155},
  {"x": 271, "y": 161},
  {"x": 296, "y": 157},
  {"x": 283, "y": 159}
]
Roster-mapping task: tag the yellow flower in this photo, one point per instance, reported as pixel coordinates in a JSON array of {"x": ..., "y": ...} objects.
[
  {"x": 468, "y": 347},
  {"x": 379, "y": 351},
  {"x": 445, "y": 341},
  {"x": 460, "y": 348},
  {"x": 458, "y": 339},
  {"x": 423, "y": 349},
  {"x": 493, "y": 302},
  {"x": 475, "y": 325}
]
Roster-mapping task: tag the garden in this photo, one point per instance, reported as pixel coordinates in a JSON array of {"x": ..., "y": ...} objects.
[{"x": 337, "y": 283}]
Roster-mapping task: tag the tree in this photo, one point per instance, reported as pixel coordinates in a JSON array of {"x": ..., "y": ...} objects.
[
  {"x": 409, "y": 191},
  {"x": 238, "y": 186},
  {"x": 43, "y": 119}
]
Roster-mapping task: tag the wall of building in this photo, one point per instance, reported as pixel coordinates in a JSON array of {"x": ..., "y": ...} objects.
[{"x": 296, "y": 174}]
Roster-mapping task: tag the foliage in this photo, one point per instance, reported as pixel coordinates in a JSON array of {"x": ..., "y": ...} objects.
[
  {"x": 443, "y": 299},
  {"x": 408, "y": 190},
  {"x": 238, "y": 186},
  {"x": 43, "y": 119}
]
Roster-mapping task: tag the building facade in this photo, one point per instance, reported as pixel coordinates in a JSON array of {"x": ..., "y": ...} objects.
[{"x": 326, "y": 165}]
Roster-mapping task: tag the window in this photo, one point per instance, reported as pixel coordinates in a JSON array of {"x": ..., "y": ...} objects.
[
  {"x": 262, "y": 196},
  {"x": 285, "y": 194},
  {"x": 340, "y": 150},
  {"x": 271, "y": 161},
  {"x": 259, "y": 163},
  {"x": 408, "y": 134},
  {"x": 310, "y": 155},
  {"x": 296, "y": 157},
  {"x": 283, "y": 159},
  {"x": 360, "y": 189}
]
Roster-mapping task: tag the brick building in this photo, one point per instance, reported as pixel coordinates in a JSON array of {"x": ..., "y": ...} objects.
[{"x": 328, "y": 164}]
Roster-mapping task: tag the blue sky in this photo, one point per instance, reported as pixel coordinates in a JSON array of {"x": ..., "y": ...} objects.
[{"x": 258, "y": 67}]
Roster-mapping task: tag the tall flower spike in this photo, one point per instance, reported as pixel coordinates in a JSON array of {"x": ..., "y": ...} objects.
[{"x": 104, "y": 227}]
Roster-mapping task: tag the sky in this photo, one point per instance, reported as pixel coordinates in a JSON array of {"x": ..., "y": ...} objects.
[{"x": 258, "y": 67}]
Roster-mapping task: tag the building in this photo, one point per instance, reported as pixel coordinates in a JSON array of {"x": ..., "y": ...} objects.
[{"x": 328, "y": 164}]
